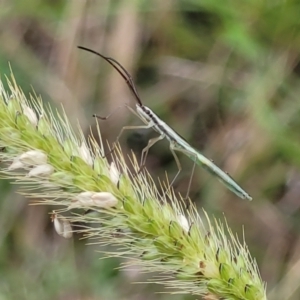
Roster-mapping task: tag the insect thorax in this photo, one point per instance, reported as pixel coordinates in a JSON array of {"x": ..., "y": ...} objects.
[{"x": 145, "y": 113}]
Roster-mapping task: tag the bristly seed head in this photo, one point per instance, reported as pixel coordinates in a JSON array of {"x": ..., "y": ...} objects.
[{"x": 156, "y": 230}]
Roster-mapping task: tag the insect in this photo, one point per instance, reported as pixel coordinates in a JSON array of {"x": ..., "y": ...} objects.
[{"x": 177, "y": 143}]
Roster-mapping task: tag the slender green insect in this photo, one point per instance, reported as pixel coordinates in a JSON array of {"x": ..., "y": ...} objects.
[{"x": 177, "y": 143}]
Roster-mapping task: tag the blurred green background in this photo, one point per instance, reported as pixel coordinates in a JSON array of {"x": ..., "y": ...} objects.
[{"x": 224, "y": 74}]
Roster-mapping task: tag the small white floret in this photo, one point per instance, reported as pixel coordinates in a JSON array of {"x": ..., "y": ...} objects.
[
  {"x": 114, "y": 173},
  {"x": 85, "y": 198},
  {"x": 85, "y": 154},
  {"x": 62, "y": 226},
  {"x": 182, "y": 220},
  {"x": 30, "y": 114},
  {"x": 33, "y": 157},
  {"x": 41, "y": 170},
  {"x": 104, "y": 200},
  {"x": 16, "y": 164},
  {"x": 89, "y": 199}
]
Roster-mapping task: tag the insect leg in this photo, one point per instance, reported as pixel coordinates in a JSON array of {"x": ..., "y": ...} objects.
[
  {"x": 174, "y": 148},
  {"x": 112, "y": 113},
  {"x": 115, "y": 110},
  {"x": 149, "y": 125},
  {"x": 128, "y": 128},
  {"x": 145, "y": 151}
]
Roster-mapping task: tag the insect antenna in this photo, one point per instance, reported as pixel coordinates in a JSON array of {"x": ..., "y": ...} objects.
[{"x": 121, "y": 70}]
